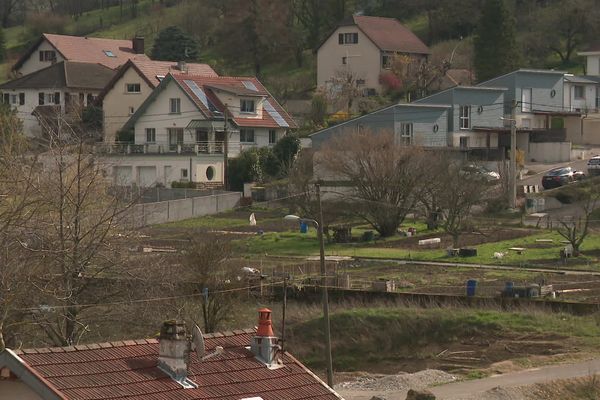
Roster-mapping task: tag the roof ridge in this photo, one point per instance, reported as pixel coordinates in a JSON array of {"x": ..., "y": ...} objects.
[{"x": 123, "y": 343}]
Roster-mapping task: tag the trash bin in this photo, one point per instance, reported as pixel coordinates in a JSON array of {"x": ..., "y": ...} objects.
[
  {"x": 471, "y": 286},
  {"x": 303, "y": 227}
]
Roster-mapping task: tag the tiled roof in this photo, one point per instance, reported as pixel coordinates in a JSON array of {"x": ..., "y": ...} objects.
[
  {"x": 65, "y": 74},
  {"x": 128, "y": 370},
  {"x": 390, "y": 35},
  {"x": 150, "y": 69},
  {"x": 89, "y": 50},
  {"x": 235, "y": 85}
]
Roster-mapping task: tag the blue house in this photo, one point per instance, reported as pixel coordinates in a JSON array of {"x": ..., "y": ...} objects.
[
  {"x": 412, "y": 124},
  {"x": 541, "y": 116},
  {"x": 474, "y": 118}
]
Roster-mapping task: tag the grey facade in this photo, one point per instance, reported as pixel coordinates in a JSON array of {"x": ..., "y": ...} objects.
[{"x": 416, "y": 124}]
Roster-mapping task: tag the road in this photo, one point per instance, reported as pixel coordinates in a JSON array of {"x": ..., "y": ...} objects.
[
  {"x": 473, "y": 389},
  {"x": 541, "y": 169}
]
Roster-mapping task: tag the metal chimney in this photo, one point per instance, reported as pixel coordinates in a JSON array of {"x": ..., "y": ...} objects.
[{"x": 264, "y": 343}]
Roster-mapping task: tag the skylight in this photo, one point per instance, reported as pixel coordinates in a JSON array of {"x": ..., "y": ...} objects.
[
  {"x": 250, "y": 86},
  {"x": 109, "y": 53}
]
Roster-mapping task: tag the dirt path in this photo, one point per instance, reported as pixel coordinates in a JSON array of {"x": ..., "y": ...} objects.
[{"x": 475, "y": 389}]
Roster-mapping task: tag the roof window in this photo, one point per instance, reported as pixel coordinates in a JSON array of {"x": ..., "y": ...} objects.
[{"x": 109, "y": 53}]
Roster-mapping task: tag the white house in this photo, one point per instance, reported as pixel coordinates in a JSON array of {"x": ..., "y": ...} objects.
[
  {"x": 50, "y": 49},
  {"x": 132, "y": 84},
  {"x": 61, "y": 89},
  {"x": 365, "y": 46},
  {"x": 189, "y": 124}
]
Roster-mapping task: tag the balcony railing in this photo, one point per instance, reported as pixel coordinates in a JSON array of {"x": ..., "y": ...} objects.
[{"x": 118, "y": 148}]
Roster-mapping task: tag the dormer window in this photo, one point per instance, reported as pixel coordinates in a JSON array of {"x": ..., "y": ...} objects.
[
  {"x": 109, "y": 53},
  {"x": 348, "y": 38},
  {"x": 247, "y": 106},
  {"x": 47, "y": 55}
]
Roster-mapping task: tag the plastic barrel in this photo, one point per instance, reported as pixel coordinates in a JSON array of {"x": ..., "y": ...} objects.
[
  {"x": 509, "y": 286},
  {"x": 471, "y": 286},
  {"x": 303, "y": 227}
]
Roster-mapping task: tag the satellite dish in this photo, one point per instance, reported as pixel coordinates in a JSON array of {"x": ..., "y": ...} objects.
[{"x": 198, "y": 341}]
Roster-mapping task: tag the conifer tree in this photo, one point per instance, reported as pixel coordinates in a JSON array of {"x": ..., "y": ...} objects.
[{"x": 496, "y": 49}]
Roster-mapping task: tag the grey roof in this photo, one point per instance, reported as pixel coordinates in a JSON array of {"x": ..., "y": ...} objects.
[
  {"x": 581, "y": 79},
  {"x": 65, "y": 74}
]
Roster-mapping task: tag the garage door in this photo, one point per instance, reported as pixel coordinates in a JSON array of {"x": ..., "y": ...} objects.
[
  {"x": 146, "y": 176},
  {"x": 122, "y": 176}
]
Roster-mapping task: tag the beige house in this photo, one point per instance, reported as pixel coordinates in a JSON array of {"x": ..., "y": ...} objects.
[
  {"x": 50, "y": 49},
  {"x": 190, "y": 124},
  {"x": 364, "y": 47},
  {"x": 134, "y": 82}
]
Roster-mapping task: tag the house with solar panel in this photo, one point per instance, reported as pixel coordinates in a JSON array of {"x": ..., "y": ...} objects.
[{"x": 190, "y": 124}]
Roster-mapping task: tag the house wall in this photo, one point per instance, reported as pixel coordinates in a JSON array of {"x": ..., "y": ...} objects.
[
  {"x": 588, "y": 102},
  {"x": 164, "y": 168},
  {"x": 16, "y": 389},
  {"x": 389, "y": 120},
  {"x": 233, "y": 103},
  {"x": 549, "y": 152},
  {"x": 593, "y": 65},
  {"x": 475, "y": 139},
  {"x": 591, "y": 130},
  {"x": 363, "y": 59},
  {"x": 117, "y": 102},
  {"x": 31, "y": 126},
  {"x": 33, "y": 63}
]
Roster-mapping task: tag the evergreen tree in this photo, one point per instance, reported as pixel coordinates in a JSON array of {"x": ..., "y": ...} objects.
[
  {"x": 2, "y": 46},
  {"x": 172, "y": 44},
  {"x": 496, "y": 49}
]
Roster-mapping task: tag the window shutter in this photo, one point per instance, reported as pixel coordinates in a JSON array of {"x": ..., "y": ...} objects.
[
  {"x": 57, "y": 98},
  {"x": 41, "y": 99},
  {"x": 6, "y": 98},
  {"x": 341, "y": 38},
  {"x": 41, "y": 56},
  {"x": 22, "y": 98},
  {"x": 355, "y": 38}
]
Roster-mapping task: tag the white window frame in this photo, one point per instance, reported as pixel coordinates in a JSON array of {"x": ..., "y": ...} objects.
[
  {"x": 14, "y": 99},
  {"x": 386, "y": 61},
  {"x": 175, "y": 105},
  {"x": 150, "y": 135},
  {"x": 406, "y": 133},
  {"x": 245, "y": 106},
  {"x": 272, "y": 136},
  {"x": 464, "y": 117},
  {"x": 526, "y": 106},
  {"x": 579, "y": 87},
  {"x": 131, "y": 88},
  {"x": 244, "y": 132},
  {"x": 47, "y": 55},
  {"x": 348, "y": 38}
]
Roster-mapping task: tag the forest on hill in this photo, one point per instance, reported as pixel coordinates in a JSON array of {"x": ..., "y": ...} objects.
[{"x": 276, "y": 39}]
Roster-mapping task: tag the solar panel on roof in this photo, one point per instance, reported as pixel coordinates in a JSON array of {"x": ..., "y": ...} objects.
[
  {"x": 275, "y": 114},
  {"x": 198, "y": 92},
  {"x": 250, "y": 86}
]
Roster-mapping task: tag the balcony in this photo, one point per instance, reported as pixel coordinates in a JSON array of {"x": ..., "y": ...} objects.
[{"x": 121, "y": 148}]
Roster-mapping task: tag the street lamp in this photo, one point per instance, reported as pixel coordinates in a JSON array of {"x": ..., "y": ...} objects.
[{"x": 325, "y": 298}]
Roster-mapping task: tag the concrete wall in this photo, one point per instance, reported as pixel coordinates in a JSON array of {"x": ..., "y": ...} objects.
[
  {"x": 178, "y": 210},
  {"x": 587, "y": 103},
  {"x": 550, "y": 152},
  {"x": 593, "y": 65},
  {"x": 363, "y": 59},
  {"x": 117, "y": 103},
  {"x": 16, "y": 389}
]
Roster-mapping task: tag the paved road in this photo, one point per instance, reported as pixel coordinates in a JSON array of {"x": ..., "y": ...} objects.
[
  {"x": 469, "y": 390},
  {"x": 541, "y": 169}
]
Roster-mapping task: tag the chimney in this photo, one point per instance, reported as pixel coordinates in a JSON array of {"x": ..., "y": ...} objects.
[
  {"x": 174, "y": 348},
  {"x": 182, "y": 66},
  {"x": 138, "y": 45},
  {"x": 264, "y": 344}
]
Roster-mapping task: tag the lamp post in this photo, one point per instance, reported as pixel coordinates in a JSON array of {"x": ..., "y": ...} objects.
[{"x": 325, "y": 295}]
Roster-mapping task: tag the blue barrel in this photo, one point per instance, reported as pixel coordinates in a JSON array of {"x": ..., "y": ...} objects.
[
  {"x": 509, "y": 286},
  {"x": 471, "y": 286},
  {"x": 303, "y": 227}
]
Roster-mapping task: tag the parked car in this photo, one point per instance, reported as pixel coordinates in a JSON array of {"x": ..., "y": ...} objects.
[
  {"x": 593, "y": 166},
  {"x": 480, "y": 172},
  {"x": 561, "y": 176}
]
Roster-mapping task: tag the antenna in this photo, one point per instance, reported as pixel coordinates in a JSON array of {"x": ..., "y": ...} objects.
[{"x": 198, "y": 341}]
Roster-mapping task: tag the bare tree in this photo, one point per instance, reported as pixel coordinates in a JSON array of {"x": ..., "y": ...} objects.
[
  {"x": 385, "y": 176},
  {"x": 576, "y": 228},
  {"x": 342, "y": 89}
]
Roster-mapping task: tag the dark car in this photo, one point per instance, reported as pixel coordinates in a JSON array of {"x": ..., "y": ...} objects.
[{"x": 561, "y": 176}]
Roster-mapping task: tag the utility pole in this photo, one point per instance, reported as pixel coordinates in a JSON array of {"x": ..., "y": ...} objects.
[
  {"x": 225, "y": 148},
  {"x": 325, "y": 298},
  {"x": 513, "y": 155}
]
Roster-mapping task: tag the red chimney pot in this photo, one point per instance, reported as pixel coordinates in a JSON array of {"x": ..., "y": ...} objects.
[{"x": 265, "y": 327}]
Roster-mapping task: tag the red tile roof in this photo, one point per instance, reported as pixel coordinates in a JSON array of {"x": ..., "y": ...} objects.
[
  {"x": 88, "y": 50},
  {"x": 128, "y": 370},
  {"x": 236, "y": 84},
  {"x": 150, "y": 69},
  {"x": 390, "y": 35}
]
